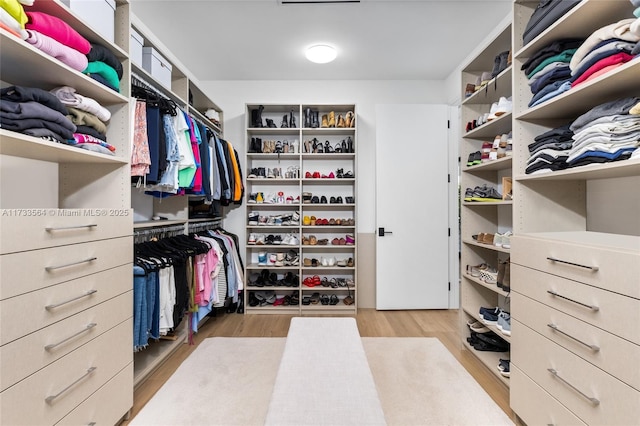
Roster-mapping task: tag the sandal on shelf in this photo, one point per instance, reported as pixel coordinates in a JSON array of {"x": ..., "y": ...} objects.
[
  {"x": 324, "y": 299},
  {"x": 315, "y": 298},
  {"x": 333, "y": 300},
  {"x": 306, "y": 300}
]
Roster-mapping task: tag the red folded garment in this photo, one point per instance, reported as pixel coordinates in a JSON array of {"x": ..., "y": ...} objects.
[
  {"x": 618, "y": 58},
  {"x": 58, "y": 30}
]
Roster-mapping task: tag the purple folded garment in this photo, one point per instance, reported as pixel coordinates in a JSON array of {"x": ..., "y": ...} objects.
[
  {"x": 58, "y": 30},
  {"x": 69, "y": 56}
]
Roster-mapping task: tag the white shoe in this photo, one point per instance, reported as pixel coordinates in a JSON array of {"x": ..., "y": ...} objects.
[
  {"x": 492, "y": 112},
  {"x": 252, "y": 239},
  {"x": 497, "y": 239},
  {"x": 506, "y": 240},
  {"x": 505, "y": 105},
  {"x": 293, "y": 240}
]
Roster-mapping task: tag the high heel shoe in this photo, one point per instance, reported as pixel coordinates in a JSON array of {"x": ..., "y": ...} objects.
[
  {"x": 307, "y": 117},
  {"x": 341, "y": 122},
  {"x": 292, "y": 120},
  {"x": 350, "y": 145},
  {"x": 332, "y": 119},
  {"x": 325, "y": 121},
  {"x": 285, "y": 122},
  {"x": 350, "y": 119}
]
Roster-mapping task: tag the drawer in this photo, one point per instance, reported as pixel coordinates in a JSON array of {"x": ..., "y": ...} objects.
[
  {"x": 616, "y": 356},
  {"x": 60, "y": 301},
  {"x": 95, "y": 412},
  {"x": 29, "y": 354},
  {"x": 616, "y": 257},
  {"x": 617, "y": 403},
  {"x": 22, "y": 233},
  {"x": 611, "y": 312},
  {"x": 24, "y": 272},
  {"x": 526, "y": 398},
  {"x": 50, "y": 394}
]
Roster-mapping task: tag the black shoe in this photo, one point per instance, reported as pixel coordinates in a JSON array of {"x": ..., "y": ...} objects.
[
  {"x": 315, "y": 123},
  {"x": 349, "y": 146},
  {"x": 307, "y": 117},
  {"x": 271, "y": 124},
  {"x": 285, "y": 122},
  {"x": 240, "y": 309},
  {"x": 323, "y": 200},
  {"x": 292, "y": 120},
  {"x": 254, "y": 118}
]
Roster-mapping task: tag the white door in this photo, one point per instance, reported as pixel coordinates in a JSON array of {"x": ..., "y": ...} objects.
[{"x": 412, "y": 207}]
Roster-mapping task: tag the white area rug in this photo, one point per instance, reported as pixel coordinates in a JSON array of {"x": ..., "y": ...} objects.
[
  {"x": 324, "y": 363},
  {"x": 230, "y": 380}
]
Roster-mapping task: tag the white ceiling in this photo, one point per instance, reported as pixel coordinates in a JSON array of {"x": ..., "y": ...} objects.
[{"x": 376, "y": 39}]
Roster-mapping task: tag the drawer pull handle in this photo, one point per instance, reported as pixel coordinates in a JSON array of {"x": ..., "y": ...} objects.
[
  {"x": 594, "y": 348},
  {"x": 593, "y": 268},
  {"x": 594, "y": 401},
  {"x": 67, "y": 228},
  {"x": 51, "y": 398},
  {"x": 553, "y": 293},
  {"x": 84, "y": 330},
  {"x": 53, "y": 268},
  {"x": 57, "y": 305}
]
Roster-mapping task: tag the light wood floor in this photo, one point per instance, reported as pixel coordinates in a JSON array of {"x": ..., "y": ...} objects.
[{"x": 371, "y": 323}]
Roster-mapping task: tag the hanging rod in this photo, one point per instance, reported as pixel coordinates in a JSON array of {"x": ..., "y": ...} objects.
[
  {"x": 203, "y": 226},
  {"x": 142, "y": 235}
]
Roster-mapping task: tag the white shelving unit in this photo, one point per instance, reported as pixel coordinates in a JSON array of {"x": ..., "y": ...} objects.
[
  {"x": 563, "y": 318},
  {"x": 66, "y": 250},
  {"x": 484, "y": 217},
  {"x": 295, "y": 187}
]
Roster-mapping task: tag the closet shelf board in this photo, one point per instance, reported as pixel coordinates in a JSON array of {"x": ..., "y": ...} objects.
[
  {"x": 25, "y": 146},
  {"x": 24, "y": 65},
  {"x": 495, "y": 127},
  {"x": 500, "y": 86},
  {"x": 157, "y": 223},
  {"x": 582, "y": 21},
  {"x": 504, "y": 163},
  {"x": 329, "y": 131},
  {"x": 610, "y": 86},
  {"x": 486, "y": 246},
  {"x": 616, "y": 169},
  {"x": 492, "y": 287},
  {"x": 145, "y": 75}
]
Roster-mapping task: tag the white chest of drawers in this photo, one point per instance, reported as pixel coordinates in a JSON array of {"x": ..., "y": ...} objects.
[{"x": 575, "y": 334}]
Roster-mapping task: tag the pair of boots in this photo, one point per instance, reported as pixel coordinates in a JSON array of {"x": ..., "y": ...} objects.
[
  {"x": 256, "y": 117},
  {"x": 329, "y": 120},
  {"x": 255, "y": 145},
  {"x": 311, "y": 118},
  {"x": 288, "y": 121},
  {"x": 504, "y": 274}
]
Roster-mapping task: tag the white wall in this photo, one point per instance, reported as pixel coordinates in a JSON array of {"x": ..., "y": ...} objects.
[{"x": 231, "y": 97}]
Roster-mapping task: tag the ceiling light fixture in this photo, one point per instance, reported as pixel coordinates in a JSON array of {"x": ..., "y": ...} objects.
[{"x": 321, "y": 53}]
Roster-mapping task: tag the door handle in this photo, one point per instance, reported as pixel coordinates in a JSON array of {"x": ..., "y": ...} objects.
[{"x": 382, "y": 232}]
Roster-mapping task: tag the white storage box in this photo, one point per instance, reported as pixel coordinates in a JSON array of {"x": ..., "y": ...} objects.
[
  {"x": 135, "y": 47},
  {"x": 157, "y": 66},
  {"x": 98, "y": 14}
]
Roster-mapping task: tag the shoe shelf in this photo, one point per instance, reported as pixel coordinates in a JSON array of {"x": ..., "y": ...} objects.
[
  {"x": 504, "y": 163},
  {"x": 491, "y": 327},
  {"x": 487, "y": 203},
  {"x": 484, "y": 216},
  {"x": 485, "y": 246},
  {"x": 498, "y": 126},
  {"x": 498, "y": 87},
  {"x": 301, "y": 162},
  {"x": 492, "y": 287}
]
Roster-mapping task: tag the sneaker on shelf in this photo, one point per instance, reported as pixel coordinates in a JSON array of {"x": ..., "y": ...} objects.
[
  {"x": 252, "y": 198},
  {"x": 492, "y": 112},
  {"x": 262, "y": 258},
  {"x": 475, "y": 271},
  {"x": 489, "y": 275},
  {"x": 504, "y": 367},
  {"x": 477, "y": 326},
  {"x": 270, "y": 198},
  {"x": 506, "y": 240},
  {"x": 489, "y": 315},
  {"x": 486, "y": 146},
  {"x": 252, "y": 239},
  {"x": 504, "y": 323},
  {"x": 497, "y": 239},
  {"x": 260, "y": 239},
  {"x": 505, "y": 105},
  {"x": 253, "y": 218}
]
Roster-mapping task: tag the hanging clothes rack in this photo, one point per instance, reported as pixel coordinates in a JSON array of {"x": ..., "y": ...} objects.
[
  {"x": 143, "y": 235},
  {"x": 195, "y": 227}
]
